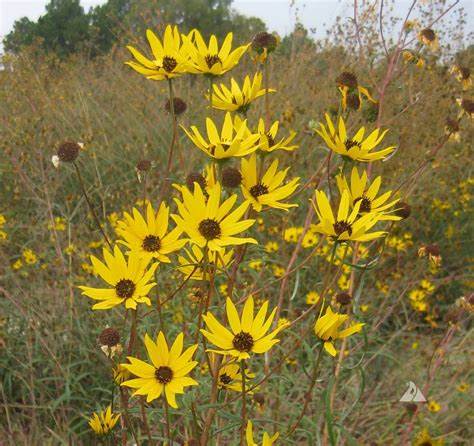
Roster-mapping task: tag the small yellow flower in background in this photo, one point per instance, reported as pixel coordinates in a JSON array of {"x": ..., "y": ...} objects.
[
  {"x": 433, "y": 406},
  {"x": 192, "y": 264},
  {"x": 427, "y": 285},
  {"x": 70, "y": 249},
  {"x": 278, "y": 271},
  {"x": 364, "y": 308},
  {"x": 352, "y": 93},
  {"x": 424, "y": 438},
  {"x": 59, "y": 224},
  {"x": 429, "y": 38},
  {"x": 3, "y": 220},
  {"x": 209, "y": 223},
  {"x": 283, "y": 322},
  {"x": 266, "y": 440},
  {"x": 309, "y": 240},
  {"x": 88, "y": 268},
  {"x": 129, "y": 280},
  {"x": 292, "y": 234},
  {"x": 208, "y": 58},
  {"x": 17, "y": 264},
  {"x": 414, "y": 59},
  {"x": 3, "y": 235},
  {"x": 256, "y": 265},
  {"x": 238, "y": 99},
  {"x": 149, "y": 238},
  {"x": 357, "y": 148},
  {"x": 29, "y": 256},
  {"x": 312, "y": 298},
  {"x": 248, "y": 333},
  {"x": 415, "y": 346},
  {"x": 103, "y": 422},
  {"x": 230, "y": 377},
  {"x": 233, "y": 140},
  {"x": 432, "y": 252},
  {"x": 169, "y": 57},
  {"x": 268, "y": 138},
  {"x": 95, "y": 245},
  {"x": 365, "y": 191},
  {"x": 327, "y": 329},
  {"x": 271, "y": 247},
  {"x": 463, "y": 75},
  {"x": 463, "y": 387},
  {"x": 346, "y": 226},
  {"x": 269, "y": 190},
  {"x": 167, "y": 372},
  {"x": 411, "y": 25}
]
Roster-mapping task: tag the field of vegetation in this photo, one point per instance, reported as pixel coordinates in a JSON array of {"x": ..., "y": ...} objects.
[{"x": 316, "y": 273}]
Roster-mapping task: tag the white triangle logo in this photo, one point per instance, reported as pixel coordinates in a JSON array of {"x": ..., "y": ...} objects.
[{"x": 412, "y": 394}]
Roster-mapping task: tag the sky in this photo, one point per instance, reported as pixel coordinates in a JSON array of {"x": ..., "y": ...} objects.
[{"x": 277, "y": 14}]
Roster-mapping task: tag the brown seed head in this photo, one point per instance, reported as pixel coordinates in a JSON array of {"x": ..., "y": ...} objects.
[
  {"x": 404, "y": 210},
  {"x": 264, "y": 40},
  {"x": 231, "y": 177},
  {"x": 468, "y": 106},
  {"x": 343, "y": 299},
  {"x": 347, "y": 79},
  {"x": 428, "y": 34},
  {"x": 179, "y": 106},
  {"x": 68, "y": 151},
  {"x": 195, "y": 177},
  {"x": 143, "y": 165},
  {"x": 110, "y": 337}
]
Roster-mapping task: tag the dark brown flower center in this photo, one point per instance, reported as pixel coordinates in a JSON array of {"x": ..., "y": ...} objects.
[
  {"x": 258, "y": 189},
  {"x": 270, "y": 140},
  {"x": 231, "y": 177},
  {"x": 365, "y": 205},
  {"x": 125, "y": 288},
  {"x": 342, "y": 226},
  {"x": 151, "y": 243},
  {"x": 209, "y": 229},
  {"x": 347, "y": 79},
  {"x": 195, "y": 177},
  {"x": 164, "y": 374},
  {"x": 428, "y": 34},
  {"x": 468, "y": 106},
  {"x": 169, "y": 63},
  {"x": 225, "y": 379},
  {"x": 465, "y": 72},
  {"x": 243, "y": 342},
  {"x": 351, "y": 143},
  {"x": 211, "y": 60}
]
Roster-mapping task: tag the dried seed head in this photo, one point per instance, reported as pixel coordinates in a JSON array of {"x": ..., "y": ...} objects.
[
  {"x": 68, "y": 151},
  {"x": 468, "y": 106},
  {"x": 179, "y": 106},
  {"x": 465, "y": 73},
  {"x": 259, "y": 398},
  {"x": 195, "y": 177},
  {"x": 231, "y": 177},
  {"x": 428, "y": 34},
  {"x": 347, "y": 79},
  {"x": 404, "y": 210},
  {"x": 343, "y": 299},
  {"x": 143, "y": 165},
  {"x": 452, "y": 125},
  {"x": 109, "y": 337},
  {"x": 411, "y": 407},
  {"x": 264, "y": 40}
]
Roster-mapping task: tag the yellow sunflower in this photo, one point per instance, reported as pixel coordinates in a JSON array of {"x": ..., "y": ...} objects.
[
  {"x": 248, "y": 333},
  {"x": 230, "y": 376},
  {"x": 167, "y": 372},
  {"x": 361, "y": 190},
  {"x": 236, "y": 98},
  {"x": 357, "y": 148},
  {"x": 103, "y": 422},
  {"x": 150, "y": 238},
  {"x": 209, "y": 223},
  {"x": 209, "y": 59},
  {"x": 266, "y": 440},
  {"x": 414, "y": 59},
  {"x": 233, "y": 140},
  {"x": 268, "y": 138},
  {"x": 424, "y": 438},
  {"x": 327, "y": 329},
  {"x": 269, "y": 190},
  {"x": 352, "y": 93},
  {"x": 429, "y": 38},
  {"x": 346, "y": 226},
  {"x": 169, "y": 57},
  {"x": 463, "y": 75},
  {"x": 206, "y": 179},
  {"x": 192, "y": 264},
  {"x": 129, "y": 280}
]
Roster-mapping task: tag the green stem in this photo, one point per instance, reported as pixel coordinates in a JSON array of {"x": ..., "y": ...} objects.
[
  {"x": 167, "y": 418},
  {"x": 244, "y": 404}
]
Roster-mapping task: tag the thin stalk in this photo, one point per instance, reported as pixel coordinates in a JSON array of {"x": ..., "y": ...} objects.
[
  {"x": 167, "y": 419},
  {"x": 89, "y": 204},
  {"x": 244, "y": 404},
  {"x": 145, "y": 421},
  {"x": 173, "y": 138}
]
